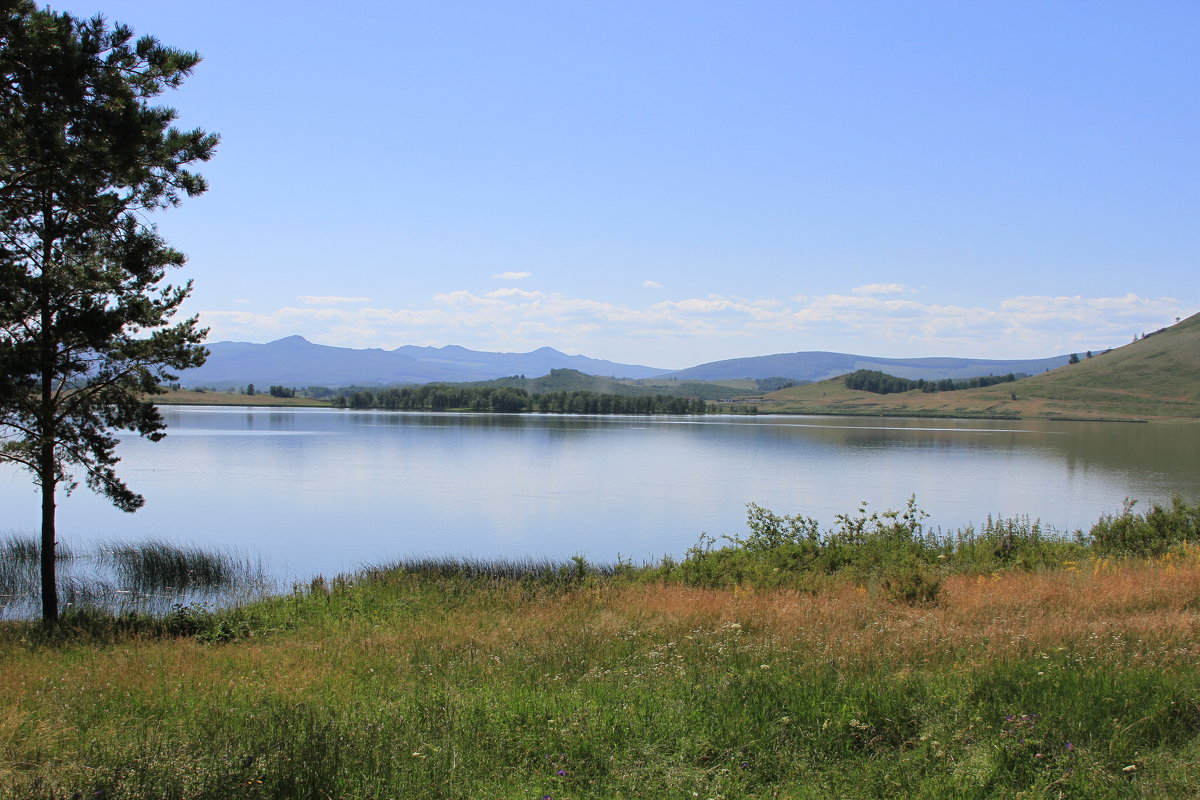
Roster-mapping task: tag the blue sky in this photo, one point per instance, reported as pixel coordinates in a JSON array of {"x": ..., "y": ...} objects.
[{"x": 679, "y": 182}]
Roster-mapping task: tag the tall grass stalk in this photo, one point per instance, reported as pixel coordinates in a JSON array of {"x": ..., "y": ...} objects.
[{"x": 148, "y": 576}]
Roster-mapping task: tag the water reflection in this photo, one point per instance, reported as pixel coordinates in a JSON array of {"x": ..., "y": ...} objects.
[{"x": 319, "y": 490}]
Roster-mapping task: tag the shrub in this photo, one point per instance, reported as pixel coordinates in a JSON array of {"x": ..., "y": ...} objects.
[
  {"x": 1154, "y": 533},
  {"x": 913, "y": 583}
]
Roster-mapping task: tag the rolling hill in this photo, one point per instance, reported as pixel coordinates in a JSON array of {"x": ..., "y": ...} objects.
[
  {"x": 1157, "y": 377},
  {"x": 818, "y": 365},
  {"x": 569, "y": 380}
]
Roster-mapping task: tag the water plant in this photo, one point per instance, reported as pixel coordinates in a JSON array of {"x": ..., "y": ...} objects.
[{"x": 149, "y": 576}]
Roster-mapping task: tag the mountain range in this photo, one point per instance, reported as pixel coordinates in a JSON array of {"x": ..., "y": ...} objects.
[{"x": 295, "y": 361}]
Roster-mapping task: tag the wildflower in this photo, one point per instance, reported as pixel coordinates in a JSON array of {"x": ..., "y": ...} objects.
[
  {"x": 1130, "y": 768},
  {"x": 1069, "y": 747},
  {"x": 561, "y": 772}
]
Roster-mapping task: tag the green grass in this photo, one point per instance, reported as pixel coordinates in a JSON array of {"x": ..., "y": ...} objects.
[{"x": 1026, "y": 674}]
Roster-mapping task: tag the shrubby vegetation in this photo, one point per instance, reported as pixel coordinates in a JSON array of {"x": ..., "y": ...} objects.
[
  {"x": 870, "y": 380},
  {"x": 896, "y": 551}
]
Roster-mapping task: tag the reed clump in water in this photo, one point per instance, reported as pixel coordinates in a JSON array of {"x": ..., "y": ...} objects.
[
  {"x": 155, "y": 565},
  {"x": 150, "y": 576}
]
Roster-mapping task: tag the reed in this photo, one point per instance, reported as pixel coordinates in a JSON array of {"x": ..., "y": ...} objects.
[
  {"x": 549, "y": 572},
  {"x": 154, "y": 565},
  {"x": 122, "y": 577}
]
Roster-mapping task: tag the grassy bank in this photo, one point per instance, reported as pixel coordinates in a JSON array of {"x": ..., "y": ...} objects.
[
  {"x": 197, "y": 397},
  {"x": 1049, "y": 669}
]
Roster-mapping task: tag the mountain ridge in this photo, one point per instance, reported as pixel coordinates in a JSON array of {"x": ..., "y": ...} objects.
[
  {"x": 295, "y": 361},
  {"x": 818, "y": 365}
]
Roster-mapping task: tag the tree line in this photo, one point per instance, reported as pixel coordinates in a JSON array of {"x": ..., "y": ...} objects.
[
  {"x": 447, "y": 397},
  {"x": 871, "y": 380}
]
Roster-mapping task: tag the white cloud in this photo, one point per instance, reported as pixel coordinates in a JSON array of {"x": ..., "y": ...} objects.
[
  {"x": 882, "y": 288},
  {"x": 513, "y": 276},
  {"x": 514, "y": 319},
  {"x": 652, "y": 284},
  {"x": 323, "y": 300}
]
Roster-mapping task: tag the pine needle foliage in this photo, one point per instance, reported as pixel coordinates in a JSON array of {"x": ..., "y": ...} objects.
[{"x": 86, "y": 331}]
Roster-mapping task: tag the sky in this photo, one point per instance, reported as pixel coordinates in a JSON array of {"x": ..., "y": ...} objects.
[{"x": 671, "y": 183}]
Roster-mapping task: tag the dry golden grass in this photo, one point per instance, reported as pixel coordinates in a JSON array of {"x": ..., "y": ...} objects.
[
  {"x": 192, "y": 397},
  {"x": 1101, "y": 610}
]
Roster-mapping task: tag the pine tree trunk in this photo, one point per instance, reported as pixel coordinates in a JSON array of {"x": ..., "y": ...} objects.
[
  {"x": 46, "y": 467},
  {"x": 49, "y": 579}
]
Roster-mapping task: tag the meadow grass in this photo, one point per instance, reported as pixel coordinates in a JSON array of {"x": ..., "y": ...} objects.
[{"x": 444, "y": 679}]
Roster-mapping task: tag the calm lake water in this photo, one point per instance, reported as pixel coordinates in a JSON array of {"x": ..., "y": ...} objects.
[{"x": 324, "y": 490}]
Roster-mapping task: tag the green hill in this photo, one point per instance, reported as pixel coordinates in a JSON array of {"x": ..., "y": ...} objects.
[
  {"x": 1156, "y": 377},
  {"x": 570, "y": 380}
]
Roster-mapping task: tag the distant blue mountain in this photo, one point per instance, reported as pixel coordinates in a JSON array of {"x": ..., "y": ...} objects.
[
  {"x": 295, "y": 361},
  {"x": 819, "y": 365}
]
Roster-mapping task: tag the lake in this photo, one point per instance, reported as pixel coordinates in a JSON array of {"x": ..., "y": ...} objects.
[{"x": 326, "y": 490}]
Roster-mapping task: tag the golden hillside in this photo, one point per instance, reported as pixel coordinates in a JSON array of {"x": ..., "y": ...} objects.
[{"x": 1157, "y": 377}]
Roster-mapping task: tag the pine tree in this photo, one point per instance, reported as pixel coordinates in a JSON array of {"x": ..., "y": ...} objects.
[{"x": 86, "y": 331}]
